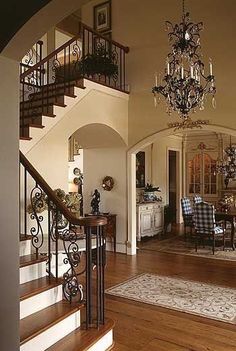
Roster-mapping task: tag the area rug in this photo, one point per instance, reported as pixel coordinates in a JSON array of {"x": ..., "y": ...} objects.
[
  {"x": 178, "y": 294},
  {"x": 178, "y": 245}
]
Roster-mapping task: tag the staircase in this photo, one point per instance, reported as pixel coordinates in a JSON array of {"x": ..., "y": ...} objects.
[
  {"x": 51, "y": 87},
  {"x": 61, "y": 300},
  {"x": 62, "y": 258}
]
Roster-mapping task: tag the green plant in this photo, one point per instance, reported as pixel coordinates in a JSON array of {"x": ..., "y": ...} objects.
[
  {"x": 151, "y": 188},
  {"x": 99, "y": 62}
]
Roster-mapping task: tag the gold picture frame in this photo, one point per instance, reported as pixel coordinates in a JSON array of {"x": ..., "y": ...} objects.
[{"x": 102, "y": 17}]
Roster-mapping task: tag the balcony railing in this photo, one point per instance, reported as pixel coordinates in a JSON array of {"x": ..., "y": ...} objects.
[{"x": 88, "y": 55}]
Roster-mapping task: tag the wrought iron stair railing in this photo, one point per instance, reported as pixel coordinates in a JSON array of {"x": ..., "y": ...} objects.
[
  {"x": 56, "y": 232},
  {"x": 88, "y": 55}
]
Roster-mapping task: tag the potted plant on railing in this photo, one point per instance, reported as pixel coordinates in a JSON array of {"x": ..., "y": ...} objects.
[{"x": 100, "y": 63}]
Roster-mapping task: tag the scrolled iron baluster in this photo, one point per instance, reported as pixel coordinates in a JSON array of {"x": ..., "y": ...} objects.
[
  {"x": 37, "y": 200},
  {"x": 72, "y": 288},
  {"x": 56, "y": 68},
  {"x": 28, "y": 59},
  {"x": 76, "y": 54},
  {"x": 115, "y": 60}
]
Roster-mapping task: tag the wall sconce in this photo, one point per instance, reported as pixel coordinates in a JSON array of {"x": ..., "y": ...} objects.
[{"x": 108, "y": 183}]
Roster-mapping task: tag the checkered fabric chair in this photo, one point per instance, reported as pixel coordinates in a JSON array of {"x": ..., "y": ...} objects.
[
  {"x": 205, "y": 225},
  {"x": 197, "y": 199},
  {"x": 187, "y": 213}
]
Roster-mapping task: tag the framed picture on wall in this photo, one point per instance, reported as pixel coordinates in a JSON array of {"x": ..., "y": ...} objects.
[
  {"x": 102, "y": 16},
  {"x": 140, "y": 169}
]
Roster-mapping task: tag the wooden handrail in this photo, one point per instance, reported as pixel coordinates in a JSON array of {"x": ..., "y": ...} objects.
[
  {"x": 62, "y": 47},
  {"x": 125, "y": 48},
  {"x": 89, "y": 221}
]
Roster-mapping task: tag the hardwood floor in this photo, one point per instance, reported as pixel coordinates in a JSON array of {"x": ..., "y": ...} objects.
[{"x": 142, "y": 327}]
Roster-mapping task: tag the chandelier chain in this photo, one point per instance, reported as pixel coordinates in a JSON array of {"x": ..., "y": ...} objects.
[{"x": 183, "y": 6}]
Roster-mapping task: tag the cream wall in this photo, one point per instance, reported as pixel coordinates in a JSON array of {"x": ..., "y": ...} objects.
[
  {"x": 50, "y": 155},
  {"x": 156, "y": 164},
  {"x": 141, "y": 26},
  {"x": 99, "y": 163},
  {"x": 9, "y": 195}
]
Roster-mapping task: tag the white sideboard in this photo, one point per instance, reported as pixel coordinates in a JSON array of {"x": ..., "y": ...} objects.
[{"x": 150, "y": 219}]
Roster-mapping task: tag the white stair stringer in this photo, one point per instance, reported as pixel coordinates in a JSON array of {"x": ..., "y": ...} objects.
[
  {"x": 25, "y": 247},
  {"x": 104, "y": 343},
  {"x": 53, "y": 334},
  {"x": 40, "y": 301},
  {"x": 32, "y": 272},
  {"x": 49, "y": 122}
]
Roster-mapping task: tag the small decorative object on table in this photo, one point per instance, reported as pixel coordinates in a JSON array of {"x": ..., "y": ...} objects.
[
  {"x": 149, "y": 193},
  {"x": 95, "y": 202},
  {"x": 226, "y": 203}
]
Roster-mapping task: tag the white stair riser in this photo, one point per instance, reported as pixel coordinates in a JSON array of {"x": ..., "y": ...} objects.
[
  {"x": 38, "y": 302},
  {"x": 104, "y": 343},
  {"x": 50, "y": 336},
  {"x": 25, "y": 247},
  {"x": 32, "y": 272}
]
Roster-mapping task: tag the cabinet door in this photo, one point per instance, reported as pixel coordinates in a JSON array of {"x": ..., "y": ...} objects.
[
  {"x": 146, "y": 222},
  {"x": 158, "y": 219}
]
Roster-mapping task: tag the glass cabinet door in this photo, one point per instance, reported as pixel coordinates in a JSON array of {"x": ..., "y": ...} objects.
[{"x": 200, "y": 175}]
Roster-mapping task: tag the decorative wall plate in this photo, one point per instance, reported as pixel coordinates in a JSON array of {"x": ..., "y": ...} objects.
[
  {"x": 76, "y": 171},
  {"x": 108, "y": 183}
]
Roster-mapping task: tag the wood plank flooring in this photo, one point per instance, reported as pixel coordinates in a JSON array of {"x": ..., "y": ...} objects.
[{"x": 142, "y": 327}]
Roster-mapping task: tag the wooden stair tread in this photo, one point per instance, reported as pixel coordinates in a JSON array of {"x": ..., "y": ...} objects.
[
  {"x": 32, "y": 259},
  {"x": 24, "y": 237},
  {"x": 37, "y": 286},
  {"x": 40, "y": 106},
  {"x": 25, "y": 138},
  {"x": 38, "y": 322},
  {"x": 81, "y": 339}
]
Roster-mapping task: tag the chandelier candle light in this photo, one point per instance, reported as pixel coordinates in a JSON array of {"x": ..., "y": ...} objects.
[{"x": 184, "y": 84}]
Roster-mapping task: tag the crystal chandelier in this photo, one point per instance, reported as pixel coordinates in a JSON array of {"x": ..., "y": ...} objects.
[
  {"x": 184, "y": 84},
  {"x": 227, "y": 165}
]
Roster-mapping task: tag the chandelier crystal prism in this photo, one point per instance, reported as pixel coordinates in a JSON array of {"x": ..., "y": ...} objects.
[{"x": 185, "y": 84}]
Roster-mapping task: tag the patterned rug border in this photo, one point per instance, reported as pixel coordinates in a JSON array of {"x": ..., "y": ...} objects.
[
  {"x": 199, "y": 255},
  {"x": 202, "y": 315}
]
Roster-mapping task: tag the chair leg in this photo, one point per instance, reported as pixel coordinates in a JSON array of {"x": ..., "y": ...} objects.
[
  {"x": 196, "y": 242},
  {"x": 213, "y": 245},
  {"x": 184, "y": 232}
]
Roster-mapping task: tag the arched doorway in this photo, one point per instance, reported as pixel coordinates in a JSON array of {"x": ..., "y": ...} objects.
[
  {"x": 102, "y": 154},
  {"x": 131, "y": 160}
]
